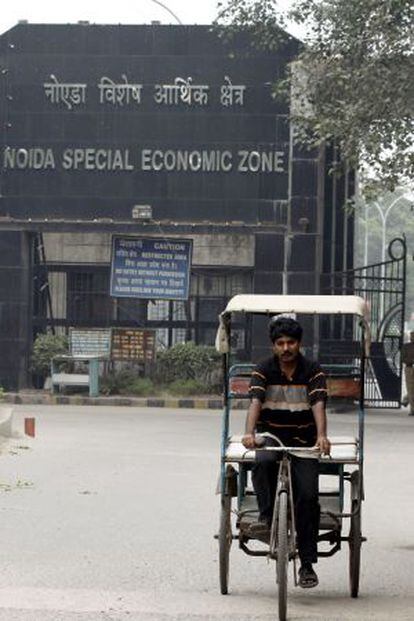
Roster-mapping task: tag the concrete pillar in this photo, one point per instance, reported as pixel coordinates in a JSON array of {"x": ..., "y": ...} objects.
[{"x": 15, "y": 309}]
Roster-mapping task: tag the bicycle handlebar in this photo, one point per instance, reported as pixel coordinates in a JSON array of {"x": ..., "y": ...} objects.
[{"x": 287, "y": 449}]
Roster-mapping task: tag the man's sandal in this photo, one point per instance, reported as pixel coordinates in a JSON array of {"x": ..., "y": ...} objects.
[
  {"x": 307, "y": 577},
  {"x": 259, "y": 530}
]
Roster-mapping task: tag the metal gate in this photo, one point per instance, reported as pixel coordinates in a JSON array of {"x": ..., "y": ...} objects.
[{"x": 383, "y": 286}]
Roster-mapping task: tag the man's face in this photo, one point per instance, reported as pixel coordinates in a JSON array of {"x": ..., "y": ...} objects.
[{"x": 286, "y": 348}]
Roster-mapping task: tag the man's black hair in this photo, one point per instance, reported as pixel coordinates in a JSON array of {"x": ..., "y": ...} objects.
[{"x": 285, "y": 326}]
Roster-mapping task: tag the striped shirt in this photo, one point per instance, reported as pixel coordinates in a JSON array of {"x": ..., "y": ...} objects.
[{"x": 286, "y": 404}]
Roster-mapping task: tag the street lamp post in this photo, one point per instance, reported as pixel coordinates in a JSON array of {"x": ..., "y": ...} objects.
[
  {"x": 384, "y": 217},
  {"x": 408, "y": 195},
  {"x": 164, "y": 6}
]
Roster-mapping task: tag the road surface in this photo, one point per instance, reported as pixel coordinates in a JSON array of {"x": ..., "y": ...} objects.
[{"x": 109, "y": 515}]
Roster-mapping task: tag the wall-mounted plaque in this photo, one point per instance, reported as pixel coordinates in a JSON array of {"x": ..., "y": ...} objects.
[
  {"x": 90, "y": 342},
  {"x": 133, "y": 344}
]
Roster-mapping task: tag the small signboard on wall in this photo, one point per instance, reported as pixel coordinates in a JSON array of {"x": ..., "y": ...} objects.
[
  {"x": 133, "y": 344},
  {"x": 90, "y": 342},
  {"x": 157, "y": 269}
]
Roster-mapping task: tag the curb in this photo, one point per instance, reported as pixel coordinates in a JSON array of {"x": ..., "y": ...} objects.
[
  {"x": 215, "y": 403},
  {"x": 6, "y": 421}
]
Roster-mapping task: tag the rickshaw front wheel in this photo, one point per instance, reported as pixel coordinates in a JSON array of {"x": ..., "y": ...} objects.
[
  {"x": 225, "y": 540},
  {"x": 355, "y": 537},
  {"x": 282, "y": 553}
]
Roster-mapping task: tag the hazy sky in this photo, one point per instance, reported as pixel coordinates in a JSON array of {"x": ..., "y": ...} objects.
[{"x": 107, "y": 12}]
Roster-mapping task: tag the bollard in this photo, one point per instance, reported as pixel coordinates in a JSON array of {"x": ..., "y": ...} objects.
[{"x": 29, "y": 427}]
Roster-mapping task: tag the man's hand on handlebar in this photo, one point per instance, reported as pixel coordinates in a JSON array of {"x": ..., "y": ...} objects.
[
  {"x": 323, "y": 445},
  {"x": 249, "y": 441}
]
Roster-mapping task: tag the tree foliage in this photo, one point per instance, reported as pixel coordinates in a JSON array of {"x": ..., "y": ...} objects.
[{"x": 358, "y": 59}]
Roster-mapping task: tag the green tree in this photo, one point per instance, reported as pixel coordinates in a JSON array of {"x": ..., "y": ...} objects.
[{"x": 353, "y": 77}]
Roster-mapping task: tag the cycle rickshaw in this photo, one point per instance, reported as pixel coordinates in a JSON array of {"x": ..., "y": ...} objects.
[{"x": 341, "y": 503}]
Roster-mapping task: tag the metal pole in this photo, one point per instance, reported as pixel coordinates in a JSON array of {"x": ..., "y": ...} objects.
[
  {"x": 366, "y": 236},
  {"x": 288, "y": 236},
  {"x": 384, "y": 241},
  {"x": 404, "y": 269}
]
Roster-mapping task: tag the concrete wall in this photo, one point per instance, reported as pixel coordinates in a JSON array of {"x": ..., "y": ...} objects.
[{"x": 209, "y": 250}]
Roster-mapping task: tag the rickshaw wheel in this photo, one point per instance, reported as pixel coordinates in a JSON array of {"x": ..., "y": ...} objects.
[
  {"x": 354, "y": 540},
  {"x": 282, "y": 558},
  {"x": 225, "y": 540}
]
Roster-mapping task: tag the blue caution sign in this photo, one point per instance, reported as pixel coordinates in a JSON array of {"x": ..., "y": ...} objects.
[{"x": 150, "y": 268}]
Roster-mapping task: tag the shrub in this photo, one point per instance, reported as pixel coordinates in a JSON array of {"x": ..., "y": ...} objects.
[
  {"x": 114, "y": 383},
  {"x": 186, "y": 388},
  {"x": 141, "y": 386},
  {"x": 188, "y": 361},
  {"x": 125, "y": 382},
  {"x": 44, "y": 348}
]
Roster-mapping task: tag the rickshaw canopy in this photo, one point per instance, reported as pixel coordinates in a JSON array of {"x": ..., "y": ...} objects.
[{"x": 300, "y": 304}]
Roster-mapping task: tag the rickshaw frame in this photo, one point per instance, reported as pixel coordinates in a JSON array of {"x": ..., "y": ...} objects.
[{"x": 233, "y": 483}]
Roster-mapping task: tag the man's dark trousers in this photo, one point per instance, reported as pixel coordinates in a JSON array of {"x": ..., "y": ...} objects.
[{"x": 305, "y": 483}]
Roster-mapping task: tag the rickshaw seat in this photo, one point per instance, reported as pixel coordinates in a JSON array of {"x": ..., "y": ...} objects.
[{"x": 344, "y": 450}]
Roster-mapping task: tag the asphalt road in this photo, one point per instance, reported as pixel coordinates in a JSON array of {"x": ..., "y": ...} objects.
[{"x": 109, "y": 514}]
